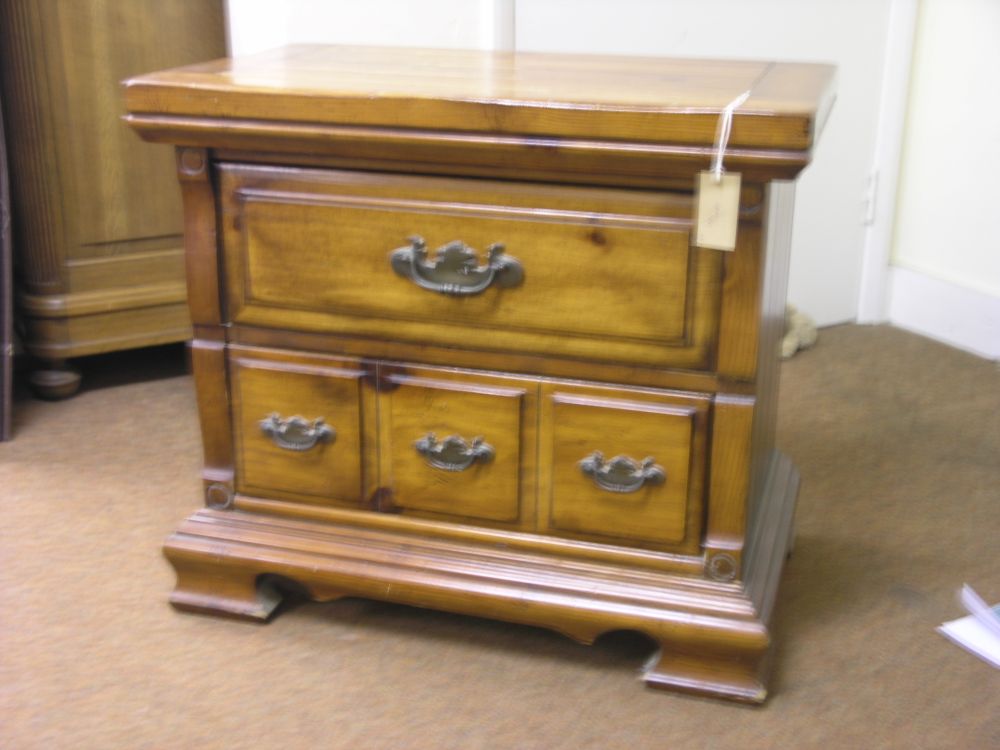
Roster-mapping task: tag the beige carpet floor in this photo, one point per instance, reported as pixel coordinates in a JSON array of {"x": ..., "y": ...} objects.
[{"x": 898, "y": 442}]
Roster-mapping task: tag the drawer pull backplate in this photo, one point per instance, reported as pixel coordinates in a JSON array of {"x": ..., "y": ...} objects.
[
  {"x": 453, "y": 453},
  {"x": 622, "y": 474},
  {"x": 454, "y": 270},
  {"x": 297, "y": 433}
]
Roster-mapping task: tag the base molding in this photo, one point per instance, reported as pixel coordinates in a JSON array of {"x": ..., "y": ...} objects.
[
  {"x": 712, "y": 638},
  {"x": 109, "y": 299},
  {"x": 732, "y": 678},
  {"x": 956, "y": 315}
]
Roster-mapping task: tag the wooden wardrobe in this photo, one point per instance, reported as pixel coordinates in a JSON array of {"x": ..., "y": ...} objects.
[{"x": 96, "y": 212}]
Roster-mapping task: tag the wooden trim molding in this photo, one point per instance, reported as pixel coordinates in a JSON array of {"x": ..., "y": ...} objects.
[
  {"x": 102, "y": 301},
  {"x": 229, "y": 561},
  {"x": 437, "y": 149}
]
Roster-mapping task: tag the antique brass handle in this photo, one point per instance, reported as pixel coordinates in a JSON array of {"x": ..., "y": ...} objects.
[
  {"x": 296, "y": 433},
  {"x": 621, "y": 473},
  {"x": 454, "y": 269},
  {"x": 453, "y": 453}
]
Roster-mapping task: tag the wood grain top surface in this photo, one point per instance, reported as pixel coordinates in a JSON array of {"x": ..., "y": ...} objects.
[{"x": 548, "y": 95}]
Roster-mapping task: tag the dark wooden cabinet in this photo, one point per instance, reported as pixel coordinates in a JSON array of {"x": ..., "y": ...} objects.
[
  {"x": 456, "y": 347},
  {"x": 97, "y": 216},
  {"x": 6, "y": 295}
]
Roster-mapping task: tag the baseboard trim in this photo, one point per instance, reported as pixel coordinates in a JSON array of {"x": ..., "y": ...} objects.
[{"x": 952, "y": 314}]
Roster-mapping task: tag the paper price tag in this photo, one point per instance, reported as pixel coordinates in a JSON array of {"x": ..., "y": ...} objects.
[{"x": 717, "y": 210}]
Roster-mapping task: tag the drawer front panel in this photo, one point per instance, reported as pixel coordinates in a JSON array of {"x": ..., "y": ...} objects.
[
  {"x": 458, "y": 447},
  {"x": 623, "y": 467},
  {"x": 604, "y": 274},
  {"x": 281, "y": 449}
]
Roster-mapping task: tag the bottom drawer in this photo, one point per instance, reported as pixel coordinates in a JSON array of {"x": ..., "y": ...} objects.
[
  {"x": 302, "y": 428},
  {"x": 623, "y": 466},
  {"x": 458, "y": 446},
  {"x": 615, "y": 466}
]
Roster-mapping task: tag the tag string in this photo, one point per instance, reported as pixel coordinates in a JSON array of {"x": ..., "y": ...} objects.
[{"x": 722, "y": 133}]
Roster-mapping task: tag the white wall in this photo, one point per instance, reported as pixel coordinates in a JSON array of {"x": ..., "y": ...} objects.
[
  {"x": 828, "y": 235},
  {"x": 946, "y": 247},
  {"x": 948, "y": 220},
  {"x": 256, "y": 25}
]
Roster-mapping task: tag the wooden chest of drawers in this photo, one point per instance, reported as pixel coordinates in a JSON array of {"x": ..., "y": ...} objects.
[{"x": 455, "y": 345}]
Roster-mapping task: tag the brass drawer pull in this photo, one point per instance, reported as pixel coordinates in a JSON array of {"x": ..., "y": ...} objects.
[
  {"x": 453, "y": 270},
  {"x": 297, "y": 433},
  {"x": 453, "y": 453},
  {"x": 621, "y": 473}
]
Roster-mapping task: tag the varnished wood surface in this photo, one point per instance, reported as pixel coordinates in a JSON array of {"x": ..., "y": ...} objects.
[
  {"x": 649, "y": 99},
  {"x": 729, "y": 484},
  {"x": 208, "y": 364},
  {"x": 111, "y": 299},
  {"x": 25, "y": 51},
  {"x": 770, "y": 537},
  {"x": 704, "y": 628},
  {"x": 84, "y": 186},
  {"x": 502, "y": 412},
  {"x": 777, "y": 247},
  {"x": 202, "y": 265},
  {"x": 412, "y": 402},
  {"x": 303, "y": 169},
  {"x": 577, "y": 549},
  {"x": 739, "y": 316},
  {"x": 671, "y": 429},
  {"x": 333, "y": 471},
  {"x": 518, "y": 157},
  {"x": 60, "y": 338},
  {"x": 96, "y": 210},
  {"x": 156, "y": 261},
  {"x": 305, "y": 249},
  {"x": 550, "y": 364}
]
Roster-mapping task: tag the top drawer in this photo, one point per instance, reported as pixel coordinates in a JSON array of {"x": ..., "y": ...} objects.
[{"x": 586, "y": 273}]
